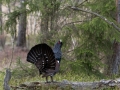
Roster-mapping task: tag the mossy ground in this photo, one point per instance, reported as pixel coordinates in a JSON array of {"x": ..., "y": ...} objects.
[{"x": 29, "y": 73}]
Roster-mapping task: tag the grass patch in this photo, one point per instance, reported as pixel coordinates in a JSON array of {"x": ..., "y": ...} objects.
[
  {"x": 1, "y": 79},
  {"x": 23, "y": 73},
  {"x": 29, "y": 73}
]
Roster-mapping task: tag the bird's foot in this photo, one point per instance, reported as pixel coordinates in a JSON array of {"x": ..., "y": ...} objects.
[
  {"x": 51, "y": 82},
  {"x": 54, "y": 82},
  {"x": 47, "y": 82}
]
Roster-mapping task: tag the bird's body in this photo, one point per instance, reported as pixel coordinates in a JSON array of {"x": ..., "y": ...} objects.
[
  {"x": 57, "y": 50},
  {"x": 46, "y": 59}
]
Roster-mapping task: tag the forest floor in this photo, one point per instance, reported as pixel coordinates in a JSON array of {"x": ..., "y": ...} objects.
[{"x": 9, "y": 55}]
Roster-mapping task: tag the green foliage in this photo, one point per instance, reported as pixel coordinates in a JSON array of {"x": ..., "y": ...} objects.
[
  {"x": 69, "y": 70},
  {"x": 103, "y": 7},
  {"x": 10, "y": 24},
  {"x": 93, "y": 37},
  {"x": 23, "y": 73},
  {"x": 46, "y": 7},
  {"x": 26, "y": 71},
  {"x": 34, "y": 5},
  {"x": 1, "y": 79},
  {"x": 98, "y": 35}
]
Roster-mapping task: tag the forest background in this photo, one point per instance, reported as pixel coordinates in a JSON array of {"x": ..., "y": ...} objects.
[{"x": 89, "y": 30}]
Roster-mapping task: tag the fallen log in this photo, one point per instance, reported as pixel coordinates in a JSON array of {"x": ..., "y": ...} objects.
[{"x": 102, "y": 84}]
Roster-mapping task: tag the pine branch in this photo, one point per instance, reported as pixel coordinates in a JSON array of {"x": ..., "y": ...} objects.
[
  {"x": 72, "y": 23},
  {"x": 100, "y": 16}
]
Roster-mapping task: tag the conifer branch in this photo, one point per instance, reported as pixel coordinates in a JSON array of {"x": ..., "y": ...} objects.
[
  {"x": 71, "y": 23},
  {"x": 100, "y": 16}
]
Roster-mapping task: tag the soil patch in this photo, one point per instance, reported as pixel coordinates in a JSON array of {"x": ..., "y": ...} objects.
[{"x": 8, "y": 54}]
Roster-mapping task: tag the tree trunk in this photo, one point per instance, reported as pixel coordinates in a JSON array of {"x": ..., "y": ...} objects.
[
  {"x": 54, "y": 15},
  {"x": 116, "y": 58},
  {"x": 44, "y": 27},
  {"x": 116, "y": 46},
  {"x": 48, "y": 20},
  {"x": 1, "y": 31},
  {"x": 7, "y": 79},
  {"x": 21, "y": 40}
]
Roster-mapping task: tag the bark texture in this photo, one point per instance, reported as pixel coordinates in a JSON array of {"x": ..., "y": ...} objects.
[
  {"x": 116, "y": 46},
  {"x": 7, "y": 79},
  {"x": 21, "y": 40},
  {"x": 1, "y": 31}
]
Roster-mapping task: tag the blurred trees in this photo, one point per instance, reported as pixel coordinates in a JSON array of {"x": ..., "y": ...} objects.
[
  {"x": 88, "y": 40},
  {"x": 49, "y": 17}
]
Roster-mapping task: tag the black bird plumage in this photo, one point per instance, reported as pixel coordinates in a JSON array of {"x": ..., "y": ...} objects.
[{"x": 46, "y": 59}]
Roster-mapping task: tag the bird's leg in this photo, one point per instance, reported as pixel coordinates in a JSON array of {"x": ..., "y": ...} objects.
[
  {"x": 46, "y": 79},
  {"x": 51, "y": 78},
  {"x": 57, "y": 66}
]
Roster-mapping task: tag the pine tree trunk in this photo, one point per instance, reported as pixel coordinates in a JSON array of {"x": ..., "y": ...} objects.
[
  {"x": 49, "y": 18},
  {"x": 116, "y": 46},
  {"x": 116, "y": 58},
  {"x": 21, "y": 40},
  {"x": 1, "y": 31},
  {"x": 54, "y": 15},
  {"x": 44, "y": 27}
]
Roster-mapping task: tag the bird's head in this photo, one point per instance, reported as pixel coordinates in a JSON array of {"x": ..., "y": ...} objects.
[{"x": 60, "y": 42}]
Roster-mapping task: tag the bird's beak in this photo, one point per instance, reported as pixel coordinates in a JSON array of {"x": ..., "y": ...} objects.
[{"x": 60, "y": 40}]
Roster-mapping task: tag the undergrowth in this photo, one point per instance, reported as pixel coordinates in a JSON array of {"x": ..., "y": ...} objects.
[
  {"x": 68, "y": 71},
  {"x": 1, "y": 79}
]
